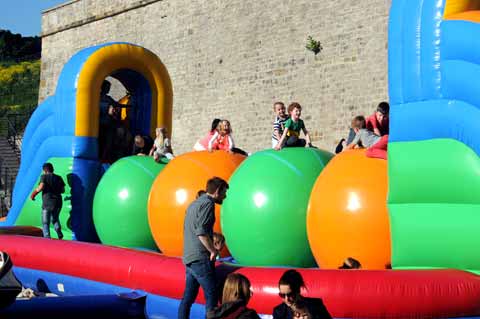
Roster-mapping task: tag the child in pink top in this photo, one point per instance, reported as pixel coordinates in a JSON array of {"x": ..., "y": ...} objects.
[
  {"x": 202, "y": 144},
  {"x": 222, "y": 140}
]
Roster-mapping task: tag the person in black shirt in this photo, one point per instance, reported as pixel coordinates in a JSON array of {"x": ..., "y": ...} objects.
[
  {"x": 52, "y": 187},
  {"x": 289, "y": 288},
  {"x": 143, "y": 145}
]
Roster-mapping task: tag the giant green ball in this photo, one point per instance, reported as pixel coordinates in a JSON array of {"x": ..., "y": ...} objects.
[
  {"x": 120, "y": 203},
  {"x": 263, "y": 217}
]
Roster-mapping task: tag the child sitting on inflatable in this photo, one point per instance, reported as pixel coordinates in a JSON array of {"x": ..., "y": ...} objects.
[
  {"x": 222, "y": 139},
  {"x": 162, "y": 147},
  {"x": 293, "y": 126},
  {"x": 202, "y": 145},
  {"x": 376, "y": 145},
  {"x": 281, "y": 117},
  {"x": 378, "y": 122}
]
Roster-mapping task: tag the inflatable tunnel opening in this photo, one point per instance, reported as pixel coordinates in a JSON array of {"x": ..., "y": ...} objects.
[
  {"x": 468, "y": 10},
  {"x": 124, "y": 122}
]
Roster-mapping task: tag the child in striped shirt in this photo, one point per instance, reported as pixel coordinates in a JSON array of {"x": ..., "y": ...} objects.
[{"x": 278, "y": 125}]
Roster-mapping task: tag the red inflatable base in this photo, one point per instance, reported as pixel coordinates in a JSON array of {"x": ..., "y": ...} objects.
[{"x": 346, "y": 293}]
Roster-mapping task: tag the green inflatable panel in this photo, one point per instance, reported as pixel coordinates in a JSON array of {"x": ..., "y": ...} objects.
[
  {"x": 31, "y": 213},
  {"x": 434, "y": 205},
  {"x": 120, "y": 202},
  {"x": 264, "y": 215}
]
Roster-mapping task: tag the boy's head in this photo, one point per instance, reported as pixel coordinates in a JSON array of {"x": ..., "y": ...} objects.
[
  {"x": 139, "y": 141},
  {"x": 358, "y": 123},
  {"x": 279, "y": 109},
  {"x": 47, "y": 168},
  {"x": 383, "y": 109},
  {"x": 218, "y": 241},
  {"x": 295, "y": 110},
  {"x": 350, "y": 263}
]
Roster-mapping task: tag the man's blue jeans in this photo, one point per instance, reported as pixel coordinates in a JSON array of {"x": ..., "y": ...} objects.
[
  {"x": 199, "y": 273},
  {"x": 53, "y": 215}
]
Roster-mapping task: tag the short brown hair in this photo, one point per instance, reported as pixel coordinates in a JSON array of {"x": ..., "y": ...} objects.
[
  {"x": 293, "y": 106},
  {"x": 215, "y": 183},
  {"x": 237, "y": 287},
  {"x": 278, "y": 103},
  {"x": 359, "y": 122},
  {"x": 293, "y": 279}
]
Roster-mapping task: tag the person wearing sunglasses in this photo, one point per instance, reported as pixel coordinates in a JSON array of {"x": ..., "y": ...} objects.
[{"x": 289, "y": 286}]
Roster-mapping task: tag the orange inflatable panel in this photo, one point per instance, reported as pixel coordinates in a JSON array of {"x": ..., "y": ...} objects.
[{"x": 473, "y": 16}]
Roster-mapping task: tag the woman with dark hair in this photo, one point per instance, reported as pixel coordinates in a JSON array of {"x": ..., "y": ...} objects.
[
  {"x": 202, "y": 144},
  {"x": 289, "y": 286}
]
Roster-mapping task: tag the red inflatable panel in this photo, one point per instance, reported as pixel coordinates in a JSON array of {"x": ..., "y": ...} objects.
[{"x": 346, "y": 293}]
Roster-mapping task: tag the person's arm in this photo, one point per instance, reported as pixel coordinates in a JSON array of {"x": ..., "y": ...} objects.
[
  {"x": 62, "y": 188},
  {"x": 281, "y": 140},
  {"x": 208, "y": 244},
  {"x": 212, "y": 140},
  {"x": 355, "y": 141},
  {"x": 376, "y": 131},
  {"x": 276, "y": 129},
  {"x": 38, "y": 189},
  {"x": 231, "y": 144},
  {"x": 203, "y": 225},
  {"x": 307, "y": 136},
  {"x": 154, "y": 147}
]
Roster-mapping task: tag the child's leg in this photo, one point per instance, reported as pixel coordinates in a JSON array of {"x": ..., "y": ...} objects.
[
  {"x": 379, "y": 149},
  {"x": 294, "y": 141},
  {"x": 239, "y": 151}
]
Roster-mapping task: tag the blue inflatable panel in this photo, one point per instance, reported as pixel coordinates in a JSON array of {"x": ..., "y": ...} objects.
[
  {"x": 419, "y": 121},
  {"x": 63, "y": 285},
  {"x": 97, "y": 307}
]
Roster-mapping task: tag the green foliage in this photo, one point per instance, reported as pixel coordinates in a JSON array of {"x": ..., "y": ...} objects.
[
  {"x": 19, "y": 85},
  {"x": 15, "y": 48},
  {"x": 313, "y": 45}
]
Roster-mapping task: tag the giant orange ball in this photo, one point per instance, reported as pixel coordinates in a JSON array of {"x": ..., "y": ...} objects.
[
  {"x": 347, "y": 213},
  {"x": 176, "y": 187}
]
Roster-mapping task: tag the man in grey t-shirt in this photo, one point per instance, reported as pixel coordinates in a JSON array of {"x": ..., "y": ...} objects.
[{"x": 199, "y": 252}]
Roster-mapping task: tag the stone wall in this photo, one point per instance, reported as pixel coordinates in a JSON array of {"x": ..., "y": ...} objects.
[{"x": 232, "y": 59}]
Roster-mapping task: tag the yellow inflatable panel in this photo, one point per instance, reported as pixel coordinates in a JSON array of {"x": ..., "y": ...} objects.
[
  {"x": 104, "y": 62},
  {"x": 453, "y": 7},
  {"x": 473, "y": 16}
]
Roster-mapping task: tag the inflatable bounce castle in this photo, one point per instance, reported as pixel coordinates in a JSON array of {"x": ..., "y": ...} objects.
[{"x": 299, "y": 208}]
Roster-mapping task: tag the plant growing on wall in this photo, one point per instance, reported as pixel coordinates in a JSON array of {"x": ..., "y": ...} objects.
[{"x": 313, "y": 45}]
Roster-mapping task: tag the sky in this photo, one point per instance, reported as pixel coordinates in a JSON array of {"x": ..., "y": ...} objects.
[{"x": 24, "y": 16}]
